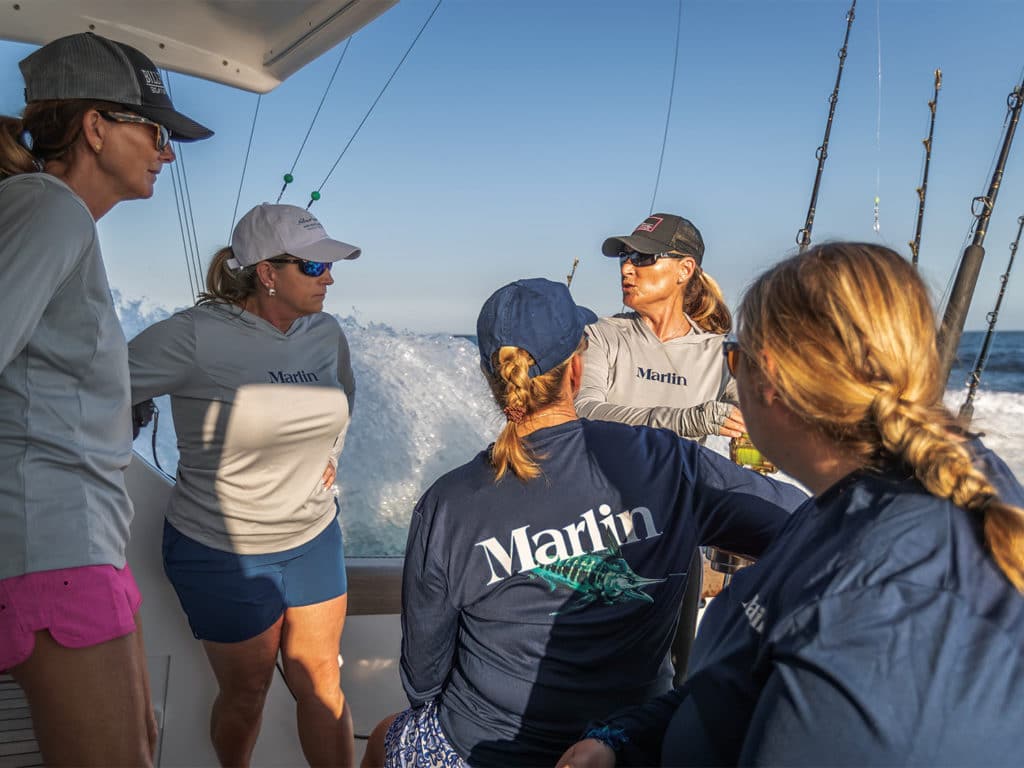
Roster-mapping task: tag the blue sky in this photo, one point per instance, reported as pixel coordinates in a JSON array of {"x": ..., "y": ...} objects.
[{"x": 519, "y": 134}]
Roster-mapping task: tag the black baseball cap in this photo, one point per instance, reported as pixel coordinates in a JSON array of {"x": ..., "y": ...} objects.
[
  {"x": 658, "y": 233},
  {"x": 87, "y": 66}
]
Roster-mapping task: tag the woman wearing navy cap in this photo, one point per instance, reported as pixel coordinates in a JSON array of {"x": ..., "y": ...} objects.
[
  {"x": 542, "y": 579},
  {"x": 95, "y": 132}
]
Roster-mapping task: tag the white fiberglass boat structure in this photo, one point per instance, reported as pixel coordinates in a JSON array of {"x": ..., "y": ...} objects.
[{"x": 253, "y": 46}]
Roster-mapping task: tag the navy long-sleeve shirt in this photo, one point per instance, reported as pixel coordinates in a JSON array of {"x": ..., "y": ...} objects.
[
  {"x": 876, "y": 630},
  {"x": 532, "y": 607}
]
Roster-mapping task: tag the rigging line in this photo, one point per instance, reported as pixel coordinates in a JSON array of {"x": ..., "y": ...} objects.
[
  {"x": 245, "y": 164},
  {"x": 181, "y": 228},
  {"x": 668, "y": 114},
  {"x": 878, "y": 124},
  {"x": 288, "y": 177},
  {"x": 186, "y": 203},
  {"x": 316, "y": 195}
]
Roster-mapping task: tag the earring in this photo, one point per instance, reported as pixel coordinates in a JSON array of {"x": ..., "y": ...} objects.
[
  {"x": 685, "y": 274},
  {"x": 98, "y": 147},
  {"x": 271, "y": 291}
]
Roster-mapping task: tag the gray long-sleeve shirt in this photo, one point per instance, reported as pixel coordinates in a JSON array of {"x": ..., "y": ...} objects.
[
  {"x": 258, "y": 414},
  {"x": 631, "y": 376},
  {"x": 65, "y": 426}
]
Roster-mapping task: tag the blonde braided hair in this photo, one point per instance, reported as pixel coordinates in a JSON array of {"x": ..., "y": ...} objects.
[{"x": 858, "y": 316}]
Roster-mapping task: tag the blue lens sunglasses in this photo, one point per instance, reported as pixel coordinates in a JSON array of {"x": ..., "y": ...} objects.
[{"x": 308, "y": 268}]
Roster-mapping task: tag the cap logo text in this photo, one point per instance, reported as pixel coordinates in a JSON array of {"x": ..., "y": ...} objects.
[
  {"x": 649, "y": 224},
  {"x": 153, "y": 81}
]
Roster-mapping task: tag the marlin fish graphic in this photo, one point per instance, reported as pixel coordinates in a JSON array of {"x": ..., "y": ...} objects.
[{"x": 592, "y": 576}]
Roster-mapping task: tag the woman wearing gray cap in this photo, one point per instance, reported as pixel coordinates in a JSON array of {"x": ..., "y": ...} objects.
[
  {"x": 95, "y": 132},
  {"x": 542, "y": 579},
  {"x": 661, "y": 364},
  {"x": 262, "y": 390}
]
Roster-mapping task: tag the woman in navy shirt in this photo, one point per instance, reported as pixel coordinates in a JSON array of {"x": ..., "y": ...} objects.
[{"x": 885, "y": 624}]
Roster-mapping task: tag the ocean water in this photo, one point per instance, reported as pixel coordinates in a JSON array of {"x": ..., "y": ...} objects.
[{"x": 422, "y": 408}]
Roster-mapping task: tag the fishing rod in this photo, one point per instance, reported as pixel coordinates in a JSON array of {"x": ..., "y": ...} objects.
[
  {"x": 922, "y": 191},
  {"x": 572, "y": 273},
  {"x": 967, "y": 409},
  {"x": 970, "y": 263},
  {"x": 803, "y": 237}
]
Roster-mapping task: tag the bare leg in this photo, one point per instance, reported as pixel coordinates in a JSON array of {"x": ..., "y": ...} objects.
[
  {"x": 90, "y": 706},
  {"x": 374, "y": 755},
  {"x": 309, "y": 648},
  {"x": 244, "y": 672}
]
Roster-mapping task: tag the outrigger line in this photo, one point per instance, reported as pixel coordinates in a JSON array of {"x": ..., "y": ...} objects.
[
  {"x": 289, "y": 177},
  {"x": 803, "y": 237},
  {"x": 315, "y": 194},
  {"x": 245, "y": 164},
  {"x": 922, "y": 191},
  {"x": 967, "y": 409},
  {"x": 973, "y": 255},
  {"x": 668, "y": 114},
  {"x": 878, "y": 121}
]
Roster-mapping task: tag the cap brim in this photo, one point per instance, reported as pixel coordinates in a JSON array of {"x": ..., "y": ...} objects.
[
  {"x": 614, "y": 246},
  {"x": 182, "y": 128},
  {"x": 586, "y": 316},
  {"x": 327, "y": 251}
]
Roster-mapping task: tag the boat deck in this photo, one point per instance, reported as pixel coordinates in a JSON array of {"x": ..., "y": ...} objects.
[{"x": 18, "y": 747}]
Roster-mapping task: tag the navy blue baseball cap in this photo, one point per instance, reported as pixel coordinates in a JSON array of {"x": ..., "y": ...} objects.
[{"x": 537, "y": 315}]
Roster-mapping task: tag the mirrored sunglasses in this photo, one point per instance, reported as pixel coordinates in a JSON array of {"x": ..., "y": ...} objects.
[
  {"x": 308, "y": 268},
  {"x": 163, "y": 136},
  {"x": 645, "y": 259}
]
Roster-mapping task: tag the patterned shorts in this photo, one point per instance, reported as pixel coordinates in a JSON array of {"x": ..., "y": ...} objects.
[{"x": 415, "y": 740}]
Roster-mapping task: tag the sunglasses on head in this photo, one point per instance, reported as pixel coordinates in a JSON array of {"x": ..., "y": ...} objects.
[
  {"x": 163, "y": 136},
  {"x": 646, "y": 259},
  {"x": 731, "y": 351},
  {"x": 308, "y": 268}
]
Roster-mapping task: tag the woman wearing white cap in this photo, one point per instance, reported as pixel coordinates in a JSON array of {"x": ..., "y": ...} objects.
[
  {"x": 543, "y": 578},
  {"x": 262, "y": 390},
  {"x": 95, "y": 132}
]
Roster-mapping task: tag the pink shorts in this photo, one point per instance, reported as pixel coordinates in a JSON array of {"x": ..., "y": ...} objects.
[{"x": 80, "y": 607}]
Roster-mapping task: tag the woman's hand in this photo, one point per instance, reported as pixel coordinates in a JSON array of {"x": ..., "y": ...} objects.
[
  {"x": 329, "y": 475},
  {"x": 733, "y": 426},
  {"x": 589, "y": 753}
]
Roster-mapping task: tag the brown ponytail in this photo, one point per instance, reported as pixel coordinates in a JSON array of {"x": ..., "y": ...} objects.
[
  {"x": 704, "y": 303},
  {"x": 520, "y": 397},
  {"x": 54, "y": 126},
  {"x": 227, "y": 285},
  {"x": 858, "y": 316}
]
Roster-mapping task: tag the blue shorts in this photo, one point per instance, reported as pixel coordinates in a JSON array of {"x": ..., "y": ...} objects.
[{"x": 229, "y": 597}]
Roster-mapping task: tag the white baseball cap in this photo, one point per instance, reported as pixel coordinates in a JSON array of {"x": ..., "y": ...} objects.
[{"x": 268, "y": 231}]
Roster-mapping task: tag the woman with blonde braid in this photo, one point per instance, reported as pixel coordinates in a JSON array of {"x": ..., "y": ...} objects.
[
  {"x": 885, "y": 625},
  {"x": 542, "y": 579}
]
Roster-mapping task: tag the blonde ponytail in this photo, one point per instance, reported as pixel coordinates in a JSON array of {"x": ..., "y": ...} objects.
[
  {"x": 227, "y": 285},
  {"x": 704, "y": 303},
  {"x": 520, "y": 396}
]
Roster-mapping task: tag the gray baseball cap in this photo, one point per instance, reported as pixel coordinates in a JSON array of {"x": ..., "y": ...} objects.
[{"x": 87, "y": 66}]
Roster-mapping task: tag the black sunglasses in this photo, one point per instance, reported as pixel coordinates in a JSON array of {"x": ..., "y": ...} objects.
[
  {"x": 308, "y": 268},
  {"x": 731, "y": 351},
  {"x": 646, "y": 259},
  {"x": 163, "y": 136}
]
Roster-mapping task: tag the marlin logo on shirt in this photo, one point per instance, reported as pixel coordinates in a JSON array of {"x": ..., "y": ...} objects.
[
  {"x": 754, "y": 612},
  {"x": 669, "y": 377},
  {"x": 606, "y": 576},
  {"x": 295, "y": 377},
  {"x": 527, "y": 552}
]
